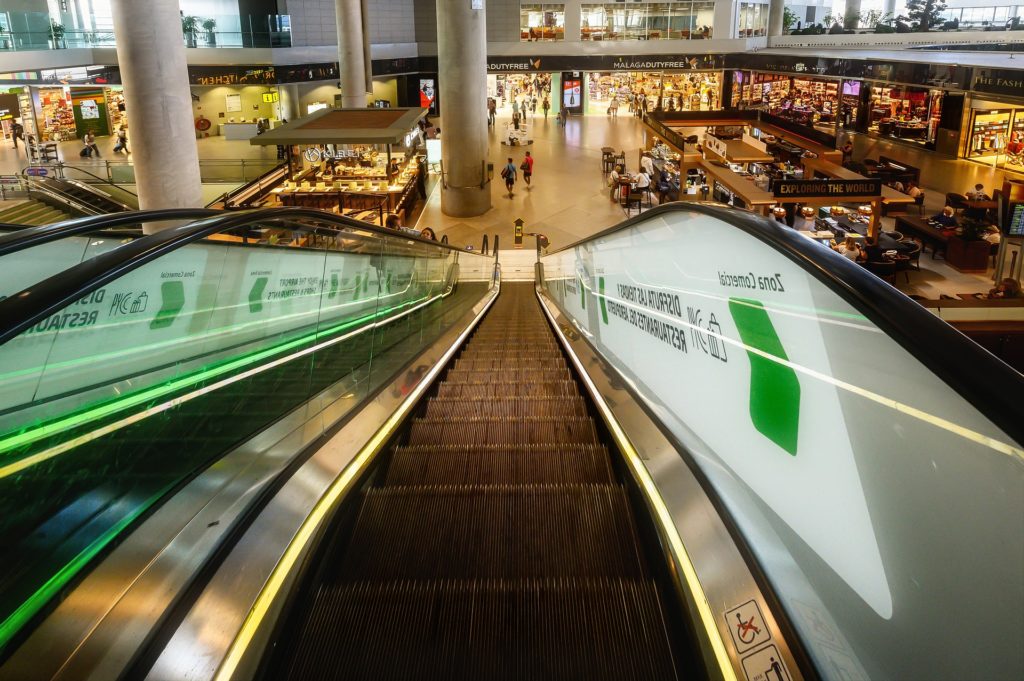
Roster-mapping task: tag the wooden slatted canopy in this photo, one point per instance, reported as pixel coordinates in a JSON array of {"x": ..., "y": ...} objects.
[{"x": 345, "y": 126}]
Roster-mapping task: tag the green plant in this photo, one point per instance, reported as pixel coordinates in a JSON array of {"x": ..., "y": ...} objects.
[
  {"x": 1014, "y": 24},
  {"x": 56, "y": 32},
  {"x": 788, "y": 19},
  {"x": 189, "y": 25},
  {"x": 884, "y": 28},
  {"x": 925, "y": 14}
]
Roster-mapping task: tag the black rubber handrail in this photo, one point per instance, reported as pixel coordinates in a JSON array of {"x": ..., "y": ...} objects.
[
  {"x": 985, "y": 381},
  {"x": 27, "y": 237},
  {"x": 30, "y": 306}
]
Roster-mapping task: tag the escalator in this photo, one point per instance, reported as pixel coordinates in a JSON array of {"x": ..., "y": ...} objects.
[
  {"x": 497, "y": 542},
  {"x": 283, "y": 444}
]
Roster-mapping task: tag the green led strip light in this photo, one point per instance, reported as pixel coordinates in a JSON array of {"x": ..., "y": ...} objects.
[{"x": 14, "y": 622}]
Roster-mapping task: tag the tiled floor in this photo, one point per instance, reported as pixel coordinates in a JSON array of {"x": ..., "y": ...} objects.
[{"x": 569, "y": 198}]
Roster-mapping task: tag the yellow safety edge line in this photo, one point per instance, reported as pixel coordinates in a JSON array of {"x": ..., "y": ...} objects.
[
  {"x": 312, "y": 523},
  {"x": 664, "y": 517}
]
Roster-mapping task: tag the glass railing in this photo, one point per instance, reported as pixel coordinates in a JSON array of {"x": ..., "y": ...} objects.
[
  {"x": 211, "y": 170},
  {"x": 110, "y": 400},
  {"x": 21, "y": 31},
  {"x": 869, "y": 455},
  {"x": 33, "y": 254}
]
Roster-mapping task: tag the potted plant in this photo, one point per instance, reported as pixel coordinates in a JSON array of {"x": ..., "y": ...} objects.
[
  {"x": 189, "y": 27},
  {"x": 209, "y": 25},
  {"x": 967, "y": 250},
  {"x": 56, "y": 35}
]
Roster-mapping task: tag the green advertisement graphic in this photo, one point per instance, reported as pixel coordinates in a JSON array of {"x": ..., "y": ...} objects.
[
  {"x": 583, "y": 294},
  {"x": 774, "y": 387},
  {"x": 172, "y": 297},
  {"x": 604, "y": 305},
  {"x": 333, "y": 293},
  {"x": 256, "y": 295}
]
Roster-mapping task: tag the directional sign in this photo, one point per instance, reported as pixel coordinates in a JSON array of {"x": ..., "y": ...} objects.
[
  {"x": 39, "y": 172},
  {"x": 518, "y": 243}
]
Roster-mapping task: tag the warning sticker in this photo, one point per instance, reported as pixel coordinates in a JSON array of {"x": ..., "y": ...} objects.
[
  {"x": 747, "y": 627},
  {"x": 765, "y": 665}
]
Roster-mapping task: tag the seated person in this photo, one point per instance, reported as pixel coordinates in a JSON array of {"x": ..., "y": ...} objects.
[
  {"x": 613, "y": 181},
  {"x": 872, "y": 251},
  {"x": 978, "y": 194},
  {"x": 642, "y": 182},
  {"x": 897, "y": 185},
  {"x": 947, "y": 218},
  {"x": 913, "y": 191},
  {"x": 1015, "y": 147},
  {"x": 1007, "y": 288},
  {"x": 848, "y": 249},
  {"x": 992, "y": 235}
]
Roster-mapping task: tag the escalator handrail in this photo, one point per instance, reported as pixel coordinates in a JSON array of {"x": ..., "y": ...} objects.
[
  {"x": 27, "y": 237},
  {"x": 985, "y": 381},
  {"x": 22, "y": 310}
]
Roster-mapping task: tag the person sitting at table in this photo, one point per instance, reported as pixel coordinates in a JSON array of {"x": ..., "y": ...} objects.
[
  {"x": 1007, "y": 288},
  {"x": 913, "y": 191},
  {"x": 872, "y": 251},
  {"x": 847, "y": 151},
  {"x": 947, "y": 218},
  {"x": 641, "y": 182},
  {"x": 665, "y": 188},
  {"x": 897, "y": 185},
  {"x": 992, "y": 235},
  {"x": 978, "y": 194},
  {"x": 613, "y": 181},
  {"x": 848, "y": 249}
]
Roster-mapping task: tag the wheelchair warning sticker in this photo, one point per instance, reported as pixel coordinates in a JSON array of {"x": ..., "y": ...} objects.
[{"x": 747, "y": 627}]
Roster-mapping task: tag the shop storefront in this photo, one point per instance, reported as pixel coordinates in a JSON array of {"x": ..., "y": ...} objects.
[
  {"x": 806, "y": 101},
  {"x": 906, "y": 113},
  {"x": 994, "y": 127}
]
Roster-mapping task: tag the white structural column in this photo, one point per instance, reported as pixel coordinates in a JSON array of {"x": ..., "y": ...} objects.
[
  {"x": 351, "y": 53},
  {"x": 889, "y": 8},
  {"x": 288, "y": 95},
  {"x": 724, "y": 23},
  {"x": 776, "y": 13},
  {"x": 851, "y": 17},
  {"x": 462, "y": 65},
  {"x": 158, "y": 101}
]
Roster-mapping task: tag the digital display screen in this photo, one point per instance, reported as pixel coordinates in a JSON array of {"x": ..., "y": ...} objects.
[
  {"x": 1016, "y": 225},
  {"x": 427, "y": 94},
  {"x": 571, "y": 93},
  {"x": 852, "y": 88}
]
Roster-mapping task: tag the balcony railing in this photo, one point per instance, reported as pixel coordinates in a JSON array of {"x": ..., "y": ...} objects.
[{"x": 23, "y": 31}]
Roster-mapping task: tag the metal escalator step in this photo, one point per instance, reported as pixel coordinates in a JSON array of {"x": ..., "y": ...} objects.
[
  {"x": 492, "y": 531},
  {"x": 486, "y": 387},
  {"x": 510, "y": 373},
  {"x": 508, "y": 408},
  {"x": 565, "y": 629},
  {"x": 526, "y": 431},
  {"x": 509, "y": 351},
  {"x": 494, "y": 464},
  {"x": 534, "y": 360}
]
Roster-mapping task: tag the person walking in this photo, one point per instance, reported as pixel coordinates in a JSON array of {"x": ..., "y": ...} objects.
[
  {"x": 89, "y": 145},
  {"x": 122, "y": 141},
  {"x": 508, "y": 173},
  {"x": 17, "y": 132},
  {"x": 613, "y": 108},
  {"x": 546, "y": 106},
  {"x": 492, "y": 110},
  {"x": 515, "y": 119},
  {"x": 515, "y": 107},
  {"x": 527, "y": 168}
]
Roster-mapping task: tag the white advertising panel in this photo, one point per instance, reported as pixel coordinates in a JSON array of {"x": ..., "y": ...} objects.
[{"x": 816, "y": 429}]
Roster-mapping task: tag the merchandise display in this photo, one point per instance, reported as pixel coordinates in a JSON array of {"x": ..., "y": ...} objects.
[
  {"x": 56, "y": 118},
  {"x": 906, "y": 113}
]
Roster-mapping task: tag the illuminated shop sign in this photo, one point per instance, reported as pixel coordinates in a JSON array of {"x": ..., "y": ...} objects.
[{"x": 799, "y": 189}]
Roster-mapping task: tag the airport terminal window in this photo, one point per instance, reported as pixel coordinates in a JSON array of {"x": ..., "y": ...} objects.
[
  {"x": 541, "y": 22},
  {"x": 753, "y": 19},
  {"x": 647, "y": 21},
  {"x": 978, "y": 17}
]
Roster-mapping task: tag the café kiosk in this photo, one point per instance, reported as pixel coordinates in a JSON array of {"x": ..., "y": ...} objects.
[
  {"x": 718, "y": 154},
  {"x": 845, "y": 180},
  {"x": 358, "y": 162}
]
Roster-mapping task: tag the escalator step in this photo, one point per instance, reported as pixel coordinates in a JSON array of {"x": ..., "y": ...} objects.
[
  {"x": 492, "y": 531},
  {"x": 484, "y": 389},
  {"x": 513, "y": 373},
  {"x": 494, "y": 464},
  {"x": 505, "y": 408},
  {"x": 590, "y": 630},
  {"x": 525, "y": 431}
]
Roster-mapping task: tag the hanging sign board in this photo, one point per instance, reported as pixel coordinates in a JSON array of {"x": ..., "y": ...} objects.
[
  {"x": 805, "y": 189},
  {"x": 715, "y": 145}
]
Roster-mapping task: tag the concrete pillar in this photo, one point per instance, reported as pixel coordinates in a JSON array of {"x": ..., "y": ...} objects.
[
  {"x": 851, "y": 16},
  {"x": 573, "y": 20},
  {"x": 462, "y": 65},
  {"x": 158, "y": 101},
  {"x": 288, "y": 98},
  {"x": 725, "y": 20},
  {"x": 776, "y": 13},
  {"x": 889, "y": 8},
  {"x": 351, "y": 53}
]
